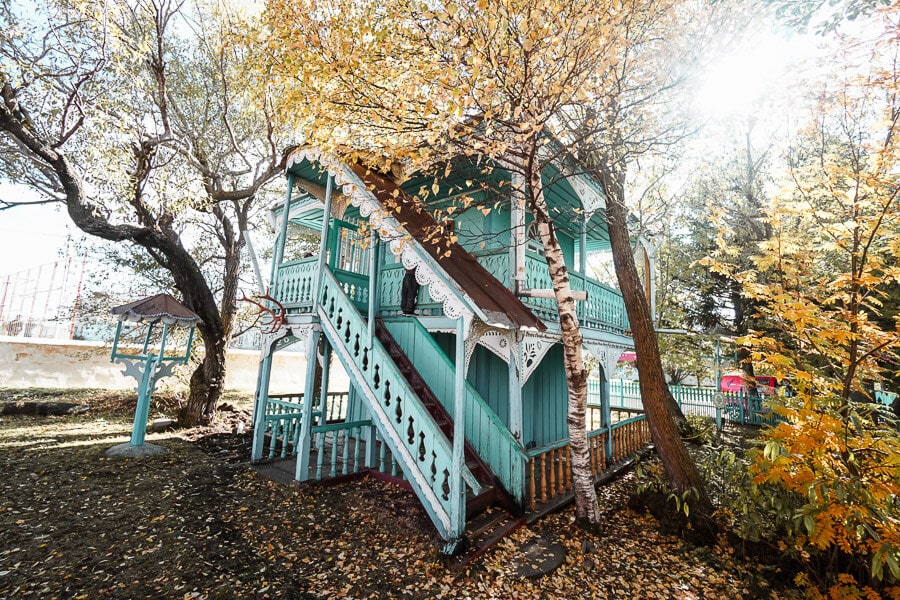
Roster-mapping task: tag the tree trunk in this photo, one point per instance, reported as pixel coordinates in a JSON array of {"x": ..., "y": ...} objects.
[
  {"x": 680, "y": 468},
  {"x": 587, "y": 509},
  {"x": 206, "y": 386}
]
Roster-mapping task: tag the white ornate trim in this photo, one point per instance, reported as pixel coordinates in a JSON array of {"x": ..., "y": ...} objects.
[
  {"x": 495, "y": 340},
  {"x": 534, "y": 349},
  {"x": 590, "y": 198},
  {"x": 606, "y": 354},
  {"x": 284, "y": 337},
  {"x": 391, "y": 231}
]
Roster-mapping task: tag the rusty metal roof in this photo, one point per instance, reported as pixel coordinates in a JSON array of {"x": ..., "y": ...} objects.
[
  {"x": 161, "y": 307},
  {"x": 485, "y": 290}
]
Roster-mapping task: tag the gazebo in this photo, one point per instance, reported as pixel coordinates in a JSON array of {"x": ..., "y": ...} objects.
[{"x": 150, "y": 363}]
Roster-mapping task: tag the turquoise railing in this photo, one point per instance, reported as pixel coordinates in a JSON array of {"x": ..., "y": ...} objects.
[
  {"x": 489, "y": 436},
  {"x": 415, "y": 440},
  {"x": 347, "y": 445},
  {"x": 885, "y": 398},
  {"x": 283, "y": 417},
  {"x": 293, "y": 287},
  {"x": 739, "y": 407},
  {"x": 355, "y": 286},
  {"x": 604, "y": 308},
  {"x": 294, "y": 284},
  {"x": 549, "y": 475}
]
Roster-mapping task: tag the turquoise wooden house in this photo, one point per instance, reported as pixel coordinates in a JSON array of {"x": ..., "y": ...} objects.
[{"x": 465, "y": 401}]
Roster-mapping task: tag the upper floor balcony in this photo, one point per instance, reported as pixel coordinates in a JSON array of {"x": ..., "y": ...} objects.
[{"x": 603, "y": 310}]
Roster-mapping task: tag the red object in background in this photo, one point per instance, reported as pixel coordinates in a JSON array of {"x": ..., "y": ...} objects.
[
  {"x": 628, "y": 357},
  {"x": 765, "y": 384}
]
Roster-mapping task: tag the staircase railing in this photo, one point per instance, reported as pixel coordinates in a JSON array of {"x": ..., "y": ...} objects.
[
  {"x": 414, "y": 439},
  {"x": 489, "y": 436}
]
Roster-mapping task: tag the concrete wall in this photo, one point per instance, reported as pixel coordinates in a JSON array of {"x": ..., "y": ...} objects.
[{"x": 26, "y": 363}]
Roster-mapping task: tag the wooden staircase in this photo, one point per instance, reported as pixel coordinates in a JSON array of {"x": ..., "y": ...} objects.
[{"x": 492, "y": 514}]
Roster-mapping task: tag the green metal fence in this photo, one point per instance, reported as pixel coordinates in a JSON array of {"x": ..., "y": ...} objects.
[{"x": 734, "y": 407}]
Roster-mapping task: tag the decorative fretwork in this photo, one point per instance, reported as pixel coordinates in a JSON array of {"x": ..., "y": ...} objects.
[
  {"x": 494, "y": 339},
  {"x": 392, "y": 232},
  {"x": 534, "y": 348},
  {"x": 607, "y": 355},
  {"x": 591, "y": 199},
  {"x": 281, "y": 339}
]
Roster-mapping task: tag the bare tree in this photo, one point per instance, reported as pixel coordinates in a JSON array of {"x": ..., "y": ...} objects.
[{"x": 136, "y": 119}]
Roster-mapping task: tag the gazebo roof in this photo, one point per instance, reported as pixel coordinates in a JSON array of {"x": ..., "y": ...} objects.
[{"x": 161, "y": 307}]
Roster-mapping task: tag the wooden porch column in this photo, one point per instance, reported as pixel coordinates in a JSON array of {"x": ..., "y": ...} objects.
[
  {"x": 265, "y": 362},
  {"x": 582, "y": 255},
  {"x": 302, "y": 473},
  {"x": 604, "y": 408},
  {"x": 323, "y": 244},
  {"x": 323, "y": 389},
  {"x": 517, "y": 279},
  {"x": 278, "y": 253},
  {"x": 457, "y": 490},
  {"x": 374, "y": 291},
  {"x": 259, "y": 405},
  {"x": 515, "y": 387}
]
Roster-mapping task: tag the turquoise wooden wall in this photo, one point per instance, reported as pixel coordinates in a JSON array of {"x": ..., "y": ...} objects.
[
  {"x": 478, "y": 232},
  {"x": 544, "y": 396},
  {"x": 544, "y": 400}
]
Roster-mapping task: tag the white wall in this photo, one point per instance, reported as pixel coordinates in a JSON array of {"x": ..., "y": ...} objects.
[{"x": 27, "y": 363}]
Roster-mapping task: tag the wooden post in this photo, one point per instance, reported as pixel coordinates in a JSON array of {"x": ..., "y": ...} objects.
[
  {"x": 457, "y": 491},
  {"x": 259, "y": 406},
  {"x": 265, "y": 362},
  {"x": 374, "y": 295},
  {"x": 517, "y": 240},
  {"x": 323, "y": 387},
  {"x": 604, "y": 406},
  {"x": 278, "y": 253},
  {"x": 143, "y": 402},
  {"x": 515, "y": 388},
  {"x": 582, "y": 257},
  {"x": 323, "y": 244},
  {"x": 302, "y": 472}
]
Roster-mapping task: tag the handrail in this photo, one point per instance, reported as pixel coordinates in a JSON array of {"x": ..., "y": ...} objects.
[
  {"x": 532, "y": 452},
  {"x": 339, "y": 426},
  {"x": 414, "y": 438}
]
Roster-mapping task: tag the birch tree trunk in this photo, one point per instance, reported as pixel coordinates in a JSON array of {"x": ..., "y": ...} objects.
[{"x": 587, "y": 509}]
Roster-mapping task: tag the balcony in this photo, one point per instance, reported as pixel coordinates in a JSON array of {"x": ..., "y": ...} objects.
[{"x": 603, "y": 310}]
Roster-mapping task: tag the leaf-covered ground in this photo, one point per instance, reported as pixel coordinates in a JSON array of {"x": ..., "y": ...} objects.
[{"x": 197, "y": 522}]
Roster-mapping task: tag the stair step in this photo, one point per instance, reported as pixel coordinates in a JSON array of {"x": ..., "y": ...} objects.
[
  {"x": 486, "y": 530},
  {"x": 476, "y": 505}
]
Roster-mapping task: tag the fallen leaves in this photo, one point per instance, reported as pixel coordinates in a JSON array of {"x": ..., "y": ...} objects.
[{"x": 196, "y": 524}]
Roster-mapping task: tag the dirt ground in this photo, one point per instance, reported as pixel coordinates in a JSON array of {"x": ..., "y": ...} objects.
[{"x": 197, "y": 522}]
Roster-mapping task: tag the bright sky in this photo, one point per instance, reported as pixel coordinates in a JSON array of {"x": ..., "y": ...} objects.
[
  {"x": 30, "y": 236},
  {"x": 734, "y": 85}
]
